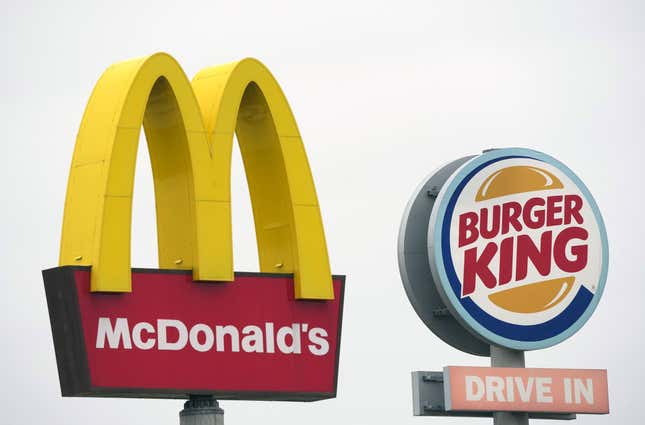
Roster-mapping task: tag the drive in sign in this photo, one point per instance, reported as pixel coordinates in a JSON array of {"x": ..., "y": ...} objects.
[{"x": 525, "y": 390}]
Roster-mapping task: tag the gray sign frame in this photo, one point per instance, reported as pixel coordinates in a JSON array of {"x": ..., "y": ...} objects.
[{"x": 414, "y": 265}]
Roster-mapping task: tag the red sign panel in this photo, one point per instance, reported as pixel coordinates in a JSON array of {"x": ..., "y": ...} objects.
[
  {"x": 486, "y": 389},
  {"x": 171, "y": 337}
]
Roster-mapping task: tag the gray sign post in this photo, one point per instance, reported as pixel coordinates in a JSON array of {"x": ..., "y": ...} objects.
[
  {"x": 201, "y": 410},
  {"x": 503, "y": 357}
]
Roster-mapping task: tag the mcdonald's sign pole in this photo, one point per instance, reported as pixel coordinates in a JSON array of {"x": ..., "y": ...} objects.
[{"x": 193, "y": 329}]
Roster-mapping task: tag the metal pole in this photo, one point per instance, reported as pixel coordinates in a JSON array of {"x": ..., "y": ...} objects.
[
  {"x": 201, "y": 410},
  {"x": 504, "y": 357}
]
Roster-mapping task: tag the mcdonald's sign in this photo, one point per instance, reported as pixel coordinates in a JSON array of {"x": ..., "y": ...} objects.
[{"x": 193, "y": 326}]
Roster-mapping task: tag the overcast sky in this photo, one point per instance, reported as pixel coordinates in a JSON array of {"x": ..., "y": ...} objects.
[{"x": 383, "y": 92}]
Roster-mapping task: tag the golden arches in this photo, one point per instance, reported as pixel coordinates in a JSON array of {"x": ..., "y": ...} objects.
[{"x": 190, "y": 135}]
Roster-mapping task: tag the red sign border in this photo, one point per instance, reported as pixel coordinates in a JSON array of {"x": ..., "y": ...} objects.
[{"x": 71, "y": 354}]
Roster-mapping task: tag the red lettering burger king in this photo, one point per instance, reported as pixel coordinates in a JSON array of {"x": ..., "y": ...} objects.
[
  {"x": 520, "y": 238},
  {"x": 516, "y": 250}
]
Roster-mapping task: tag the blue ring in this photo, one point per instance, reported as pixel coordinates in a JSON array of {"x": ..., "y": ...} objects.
[{"x": 518, "y": 337}]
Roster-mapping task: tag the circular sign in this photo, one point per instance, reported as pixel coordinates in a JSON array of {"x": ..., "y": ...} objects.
[{"x": 517, "y": 249}]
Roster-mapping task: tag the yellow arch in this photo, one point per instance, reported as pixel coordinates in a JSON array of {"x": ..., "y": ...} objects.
[{"x": 190, "y": 134}]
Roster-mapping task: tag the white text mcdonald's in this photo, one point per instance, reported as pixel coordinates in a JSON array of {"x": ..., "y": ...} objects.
[{"x": 193, "y": 326}]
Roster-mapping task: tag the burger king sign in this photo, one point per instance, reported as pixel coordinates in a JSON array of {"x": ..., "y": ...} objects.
[{"x": 517, "y": 248}]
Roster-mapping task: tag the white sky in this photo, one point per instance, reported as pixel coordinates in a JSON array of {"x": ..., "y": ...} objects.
[{"x": 383, "y": 92}]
